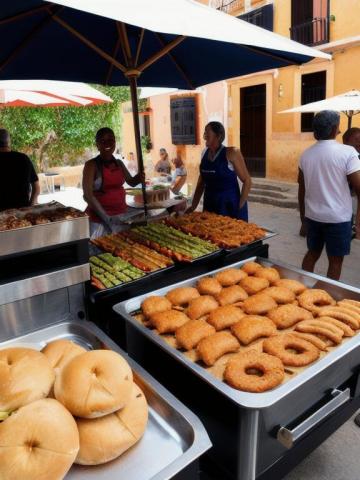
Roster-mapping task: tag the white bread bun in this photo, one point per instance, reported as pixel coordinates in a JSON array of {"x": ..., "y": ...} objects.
[
  {"x": 105, "y": 438},
  {"x": 25, "y": 375},
  {"x": 94, "y": 384},
  {"x": 38, "y": 442},
  {"x": 60, "y": 352}
]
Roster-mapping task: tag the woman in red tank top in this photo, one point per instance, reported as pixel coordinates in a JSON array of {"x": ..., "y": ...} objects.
[{"x": 103, "y": 180}]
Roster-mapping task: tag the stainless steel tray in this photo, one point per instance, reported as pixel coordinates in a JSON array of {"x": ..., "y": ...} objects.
[
  {"x": 46, "y": 235},
  {"x": 174, "y": 437},
  {"x": 243, "y": 399}
]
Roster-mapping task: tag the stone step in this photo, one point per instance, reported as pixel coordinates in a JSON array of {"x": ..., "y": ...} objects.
[
  {"x": 264, "y": 186},
  {"x": 271, "y": 193},
  {"x": 290, "y": 202}
]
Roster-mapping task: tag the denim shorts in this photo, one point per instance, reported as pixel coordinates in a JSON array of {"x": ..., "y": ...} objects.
[{"x": 335, "y": 236}]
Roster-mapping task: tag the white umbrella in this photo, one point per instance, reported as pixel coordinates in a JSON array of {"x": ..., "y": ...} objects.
[
  {"x": 347, "y": 103},
  {"x": 49, "y": 93}
]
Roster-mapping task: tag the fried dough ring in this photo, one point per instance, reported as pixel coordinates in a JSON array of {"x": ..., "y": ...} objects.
[
  {"x": 280, "y": 294},
  {"x": 258, "y": 304},
  {"x": 215, "y": 346},
  {"x": 155, "y": 304},
  {"x": 238, "y": 372},
  {"x": 225, "y": 316},
  {"x": 348, "y": 331},
  {"x": 254, "y": 285},
  {"x": 232, "y": 294},
  {"x": 320, "y": 344},
  {"x": 339, "y": 314},
  {"x": 201, "y": 306},
  {"x": 182, "y": 295},
  {"x": 190, "y": 334},
  {"x": 293, "y": 285},
  {"x": 279, "y": 346},
  {"x": 252, "y": 327},
  {"x": 251, "y": 267},
  {"x": 315, "y": 298},
  {"x": 320, "y": 328},
  {"x": 286, "y": 316},
  {"x": 208, "y": 286},
  {"x": 230, "y": 276},
  {"x": 269, "y": 273}
]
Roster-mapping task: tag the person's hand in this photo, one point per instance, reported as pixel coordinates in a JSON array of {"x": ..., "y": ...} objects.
[
  {"x": 303, "y": 230},
  {"x": 141, "y": 177},
  {"x": 190, "y": 209}
]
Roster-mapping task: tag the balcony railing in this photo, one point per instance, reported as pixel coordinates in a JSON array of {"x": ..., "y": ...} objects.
[
  {"x": 229, "y": 6},
  {"x": 314, "y": 32}
]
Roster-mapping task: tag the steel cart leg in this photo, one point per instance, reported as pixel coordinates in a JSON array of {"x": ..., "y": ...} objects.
[{"x": 249, "y": 445}]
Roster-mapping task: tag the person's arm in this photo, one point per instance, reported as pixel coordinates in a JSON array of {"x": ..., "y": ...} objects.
[
  {"x": 199, "y": 190},
  {"x": 301, "y": 195},
  {"x": 354, "y": 180},
  {"x": 178, "y": 183},
  {"x": 89, "y": 197},
  {"x": 132, "y": 180},
  {"x": 35, "y": 192},
  {"x": 234, "y": 156}
]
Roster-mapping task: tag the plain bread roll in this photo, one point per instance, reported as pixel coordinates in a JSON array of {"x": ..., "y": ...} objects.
[
  {"x": 25, "y": 375},
  {"x": 38, "y": 442},
  {"x": 94, "y": 384},
  {"x": 105, "y": 438},
  {"x": 60, "y": 352}
]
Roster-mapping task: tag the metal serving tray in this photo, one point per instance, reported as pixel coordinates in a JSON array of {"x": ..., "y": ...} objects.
[
  {"x": 174, "y": 437},
  {"x": 254, "y": 400}
]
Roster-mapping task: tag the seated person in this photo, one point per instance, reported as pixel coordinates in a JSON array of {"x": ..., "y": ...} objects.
[
  {"x": 163, "y": 166},
  {"x": 180, "y": 175}
]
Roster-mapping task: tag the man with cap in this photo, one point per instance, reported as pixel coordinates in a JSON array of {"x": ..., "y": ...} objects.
[{"x": 20, "y": 185}]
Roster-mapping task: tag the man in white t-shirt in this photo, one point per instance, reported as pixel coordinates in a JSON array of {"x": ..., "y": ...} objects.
[{"x": 325, "y": 171}]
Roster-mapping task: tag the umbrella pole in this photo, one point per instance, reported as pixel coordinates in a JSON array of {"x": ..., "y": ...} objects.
[
  {"x": 134, "y": 102},
  {"x": 349, "y": 121}
]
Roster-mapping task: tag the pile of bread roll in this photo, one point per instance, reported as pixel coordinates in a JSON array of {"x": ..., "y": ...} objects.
[{"x": 65, "y": 405}]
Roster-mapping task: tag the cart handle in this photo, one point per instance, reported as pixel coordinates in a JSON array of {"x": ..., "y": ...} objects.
[{"x": 288, "y": 437}]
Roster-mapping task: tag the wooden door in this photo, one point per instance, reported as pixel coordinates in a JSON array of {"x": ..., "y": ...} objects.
[{"x": 253, "y": 128}]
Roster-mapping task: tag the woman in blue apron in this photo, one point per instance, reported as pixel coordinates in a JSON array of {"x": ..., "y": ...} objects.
[{"x": 220, "y": 169}]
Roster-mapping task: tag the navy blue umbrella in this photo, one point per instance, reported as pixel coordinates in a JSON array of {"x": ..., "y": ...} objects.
[{"x": 162, "y": 43}]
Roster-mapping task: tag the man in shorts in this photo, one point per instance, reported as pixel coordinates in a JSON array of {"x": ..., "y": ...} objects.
[{"x": 325, "y": 171}]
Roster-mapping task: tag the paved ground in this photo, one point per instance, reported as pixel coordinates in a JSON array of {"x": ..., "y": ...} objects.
[{"x": 338, "y": 458}]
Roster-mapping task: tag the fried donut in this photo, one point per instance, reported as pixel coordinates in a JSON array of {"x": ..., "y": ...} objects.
[
  {"x": 254, "y": 285},
  {"x": 320, "y": 344},
  {"x": 215, "y": 346},
  {"x": 281, "y": 345},
  {"x": 348, "y": 331},
  {"x": 293, "y": 285},
  {"x": 168, "y": 321},
  {"x": 242, "y": 370},
  {"x": 321, "y": 328},
  {"x": 286, "y": 316},
  {"x": 208, "y": 286},
  {"x": 225, "y": 316},
  {"x": 258, "y": 304},
  {"x": 269, "y": 273},
  {"x": 190, "y": 334},
  {"x": 251, "y": 267},
  {"x": 230, "y": 276},
  {"x": 315, "y": 298},
  {"x": 201, "y": 306},
  {"x": 280, "y": 294},
  {"x": 340, "y": 314},
  {"x": 232, "y": 294},
  {"x": 155, "y": 304},
  {"x": 252, "y": 327},
  {"x": 182, "y": 295}
]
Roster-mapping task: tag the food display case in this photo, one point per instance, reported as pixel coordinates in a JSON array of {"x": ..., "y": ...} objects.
[{"x": 256, "y": 435}]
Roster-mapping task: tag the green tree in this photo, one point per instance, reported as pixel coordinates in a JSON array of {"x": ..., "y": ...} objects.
[{"x": 50, "y": 133}]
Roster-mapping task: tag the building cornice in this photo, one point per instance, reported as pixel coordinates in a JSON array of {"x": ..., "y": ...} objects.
[{"x": 348, "y": 42}]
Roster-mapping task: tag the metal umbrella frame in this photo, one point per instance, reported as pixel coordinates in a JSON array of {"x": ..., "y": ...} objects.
[{"x": 169, "y": 43}]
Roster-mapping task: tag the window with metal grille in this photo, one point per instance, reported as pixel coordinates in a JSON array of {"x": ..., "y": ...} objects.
[
  {"x": 183, "y": 120},
  {"x": 262, "y": 17},
  {"x": 310, "y": 21},
  {"x": 313, "y": 89}
]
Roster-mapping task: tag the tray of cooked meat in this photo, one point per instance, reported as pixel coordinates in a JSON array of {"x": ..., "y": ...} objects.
[
  {"x": 228, "y": 233},
  {"x": 274, "y": 348},
  {"x": 40, "y": 226}
]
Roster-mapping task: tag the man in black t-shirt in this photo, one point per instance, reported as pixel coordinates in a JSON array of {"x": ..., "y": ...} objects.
[{"x": 20, "y": 184}]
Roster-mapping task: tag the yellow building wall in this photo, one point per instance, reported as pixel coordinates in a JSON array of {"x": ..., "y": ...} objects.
[{"x": 346, "y": 21}]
